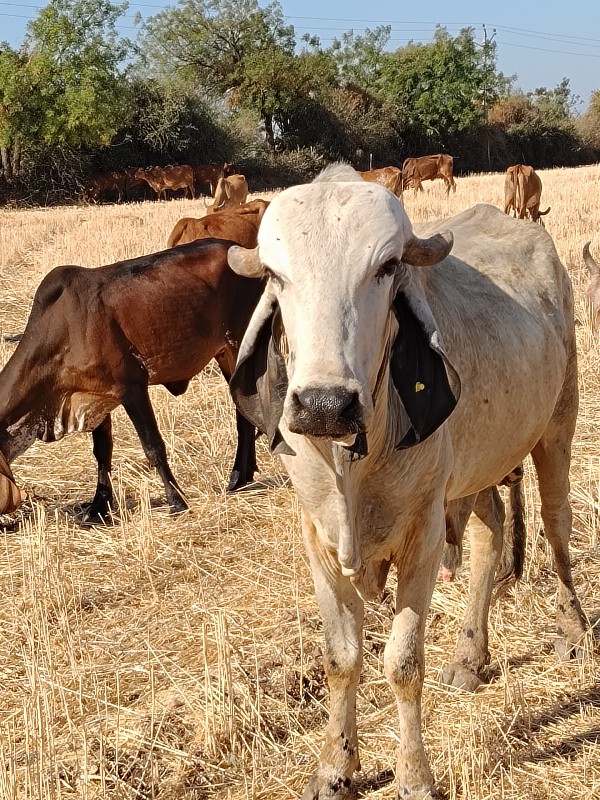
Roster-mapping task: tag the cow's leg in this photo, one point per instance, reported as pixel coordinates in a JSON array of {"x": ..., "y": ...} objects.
[
  {"x": 552, "y": 457},
  {"x": 244, "y": 465},
  {"x": 98, "y": 510},
  {"x": 404, "y": 655},
  {"x": 136, "y": 403},
  {"x": 457, "y": 516},
  {"x": 472, "y": 653},
  {"x": 342, "y": 611}
]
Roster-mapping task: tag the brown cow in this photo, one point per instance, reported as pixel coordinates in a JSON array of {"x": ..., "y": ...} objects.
[
  {"x": 103, "y": 182},
  {"x": 97, "y": 338},
  {"x": 239, "y": 224},
  {"x": 390, "y": 177},
  {"x": 522, "y": 193},
  {"x": 231, "y": 191},
  {"x": 428, "y": 168},
  {"x": 593, "y": 290},
  {"x": 210, "y": 174},
  {"x": 160, "y": 179}
]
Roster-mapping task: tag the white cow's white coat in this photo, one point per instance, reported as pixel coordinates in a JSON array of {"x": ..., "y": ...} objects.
[{"x": 503, "y": 305}]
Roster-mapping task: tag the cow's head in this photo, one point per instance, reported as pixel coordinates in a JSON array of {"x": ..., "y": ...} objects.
[{"x": 338, "y": 255}]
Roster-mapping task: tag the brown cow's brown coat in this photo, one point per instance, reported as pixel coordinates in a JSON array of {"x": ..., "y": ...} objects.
[
  {"x": 428, "y": 168},
  {"x": 523, "y": 192},
  {"x": 103, "y": 182},
  {"x": 97, "y": 338},
  {"x": 210, "y": 174},
  {"x": 231, "y": 191},
  {"x": 239, "y": 223},
  {"x": 390, "y": 177},
  {"x": 162, "y": 178}
]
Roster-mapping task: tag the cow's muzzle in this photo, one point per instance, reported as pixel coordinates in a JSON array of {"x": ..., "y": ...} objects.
[{"x": 332, "y": 412}]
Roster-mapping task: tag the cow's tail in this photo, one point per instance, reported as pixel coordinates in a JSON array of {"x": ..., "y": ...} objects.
[
  {"x": 543, "y": 213},
  {"x": 519, "y": 194},
  {"x": 512, "y": 559}
]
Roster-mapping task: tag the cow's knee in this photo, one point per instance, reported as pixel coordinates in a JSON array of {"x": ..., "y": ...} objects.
[{"x": 404, "y": 668}]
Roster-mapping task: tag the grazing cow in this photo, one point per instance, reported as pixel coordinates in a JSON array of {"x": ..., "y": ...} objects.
[
  {"x": 593, "y": 290},
  {"x": 428, "y": 168},
  {"x": 97, "y": 338},
  {"x": 238, "y": 223},
  {"x": 404, "y": 364},
  {"x": 103, "y": 182},
  {"x": 160, "y": 179},
  {"x": 210, "y": 174},
  {"x": 522, "y": 193},
  {"x": 390, "y": 177},
  {"x": 231, "y": 191}
]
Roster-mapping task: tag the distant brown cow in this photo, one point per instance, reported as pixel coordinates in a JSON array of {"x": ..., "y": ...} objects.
[
  {"x": 390, "y": 177},
  {"x": 97, "y": 338},
  {"x": 210, "y": 174},
  {"x": 103, "y": 182},
  {"x": 593, "y": 290},
  {"x": 428, "y": 168},
  {"x": 231, "y": 191},
  {"x": 239, "y": 223},
  {"x": 522, "y": 193},
  {"x": 163, "y": 178}
]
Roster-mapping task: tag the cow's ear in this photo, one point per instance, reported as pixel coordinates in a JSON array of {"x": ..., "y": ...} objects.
[
  {"x": 245, "y": 262},
  {"x": 259, "y": 383},
  {"x": 427, "y": 384}
]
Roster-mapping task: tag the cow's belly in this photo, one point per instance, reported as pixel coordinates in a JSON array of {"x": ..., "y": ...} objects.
[
  {"x": 81, "y": 411},
  {"x": 502, "y": 413}
]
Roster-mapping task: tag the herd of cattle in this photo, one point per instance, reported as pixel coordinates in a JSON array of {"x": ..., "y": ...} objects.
[
  {"x": 391, "y": 403},
  {"x": 161, "y": 180}
]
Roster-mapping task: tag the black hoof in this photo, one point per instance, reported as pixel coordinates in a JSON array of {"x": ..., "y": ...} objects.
[
  {"x": 237, "y": 480},
  {"x": 178, "y": 506},
  {"x": 97, "y": 514}
]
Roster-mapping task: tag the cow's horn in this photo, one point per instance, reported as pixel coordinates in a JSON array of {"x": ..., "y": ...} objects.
[
  {"x": 426, "y": 252},
  {"x": 245, "y": 262}
]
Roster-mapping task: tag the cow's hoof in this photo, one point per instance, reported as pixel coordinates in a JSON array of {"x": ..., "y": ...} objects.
[
  {"x": 567, "y": 651},
  {"x": 459, "y": 676},
  {"x": 237, "y": 480},
  {"x": 97, "y": 514},
  {"x": 178, "y": 506},
  {"x": 426, "y": 792},
  {"x": 328, "y": 787}
]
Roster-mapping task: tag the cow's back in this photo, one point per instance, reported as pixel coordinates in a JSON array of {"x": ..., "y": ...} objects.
[{"x": 504, "y": 305}]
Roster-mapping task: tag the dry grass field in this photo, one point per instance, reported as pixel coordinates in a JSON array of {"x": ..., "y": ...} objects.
[{"x": 169, "y": 658}]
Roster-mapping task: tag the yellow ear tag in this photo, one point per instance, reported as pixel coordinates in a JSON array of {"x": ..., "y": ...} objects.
[{"x": 419, "y": 386}]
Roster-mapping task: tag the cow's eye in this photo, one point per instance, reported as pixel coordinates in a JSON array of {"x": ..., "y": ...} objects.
[
  {"x": 277, "y": 282},
  {"x": 387, "y": 268}
]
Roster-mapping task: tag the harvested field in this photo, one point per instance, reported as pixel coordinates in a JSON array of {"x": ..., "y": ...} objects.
[{"x": 181, "y": 658}]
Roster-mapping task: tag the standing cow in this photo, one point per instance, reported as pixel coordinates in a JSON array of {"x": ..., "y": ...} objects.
[
  {"x": 407, "y": 367},
  {"x": 98, "y": 338},
  {"x": 523, "y": 192},
  {"x": 428, "y": 168}
]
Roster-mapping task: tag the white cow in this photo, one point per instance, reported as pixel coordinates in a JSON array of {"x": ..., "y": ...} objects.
[{"x": 413, "y": 376}]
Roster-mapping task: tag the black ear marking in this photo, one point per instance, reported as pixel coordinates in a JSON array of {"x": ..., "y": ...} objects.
[
  {"x": 259, "y": 383},
  {"x": 419, "y": 371}
]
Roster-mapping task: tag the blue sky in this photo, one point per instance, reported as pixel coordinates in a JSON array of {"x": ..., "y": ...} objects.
[{"x": 542, "y": 42}]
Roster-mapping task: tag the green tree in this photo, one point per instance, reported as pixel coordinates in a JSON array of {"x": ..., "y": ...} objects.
[
  {"x": 64, "y": 86},
  {"x": 443, "y": 87},
  {"x": 231, "y": 49},
  {"x": 359, "y": 58},
  {"x": 555, "y": 105}
]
